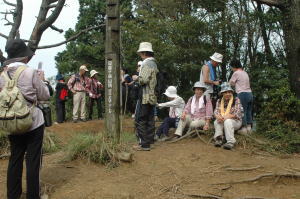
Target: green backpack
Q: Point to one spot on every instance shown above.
(15, 115)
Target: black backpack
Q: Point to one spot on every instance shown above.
(161, 85)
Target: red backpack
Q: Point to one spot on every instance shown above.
(63, 94)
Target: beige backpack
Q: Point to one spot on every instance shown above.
(15, 114)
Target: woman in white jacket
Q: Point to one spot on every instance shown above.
(176, 105)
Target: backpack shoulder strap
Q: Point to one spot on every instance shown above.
(18, 72)
(5, 76)
(204, 99)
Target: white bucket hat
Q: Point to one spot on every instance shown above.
(83, 67)
(199, 85)
(93, 72)
(145, 47)
(171, 92)
(225, 87)
(140, 63)
(217, 57)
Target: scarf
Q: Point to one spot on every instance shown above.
(212, 71)
(228, 106)
(200, 104)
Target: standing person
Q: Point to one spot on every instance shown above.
(77, 85)
(144, 118)
(94, 87)
(61, 96)
(228, 114)
(197, 112)
(126, 85)
(208, 73)
(176, 105)
(33, 89)
(240, 80)
(134, 94)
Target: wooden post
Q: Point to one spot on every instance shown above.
(112, 70)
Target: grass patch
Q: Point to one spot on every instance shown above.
(50, 142)
(4, 143)
(97, 148)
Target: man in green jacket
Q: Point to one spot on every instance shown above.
(144, 119)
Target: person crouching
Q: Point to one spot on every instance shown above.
(176, 105)
(197, 112)
(229, 114)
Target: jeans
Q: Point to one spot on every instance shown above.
(246, 99)
(165, 126)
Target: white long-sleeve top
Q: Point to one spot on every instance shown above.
(176, 107)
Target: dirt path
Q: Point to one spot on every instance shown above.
(178, 170)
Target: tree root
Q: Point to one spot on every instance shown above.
(189, 133)
(255, 197)
(203, 196)
(276, 175)
(243, 169)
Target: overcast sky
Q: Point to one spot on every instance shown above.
(67, 19)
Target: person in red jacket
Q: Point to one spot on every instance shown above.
(94, 87)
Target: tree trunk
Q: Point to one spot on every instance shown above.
(291, 29)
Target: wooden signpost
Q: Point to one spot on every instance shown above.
(112, 70)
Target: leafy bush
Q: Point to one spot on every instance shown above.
(278, 119)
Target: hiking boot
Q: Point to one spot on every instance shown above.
(228, 146)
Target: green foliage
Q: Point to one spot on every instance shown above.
(278, 119)
(95, 148)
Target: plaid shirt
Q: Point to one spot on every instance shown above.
(77, 85)
(202, 113)
(236, 110)
(93, 87)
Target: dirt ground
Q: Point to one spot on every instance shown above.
(185, 169)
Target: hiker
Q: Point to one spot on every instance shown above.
(134, 94)
(61, 96)
(126, 83)
(197, 112)
(94, 87)
(77, 85)
(144, 118)
(228, 114)
(240, 80)
(176, 105)
(30, 141)
(208, 74)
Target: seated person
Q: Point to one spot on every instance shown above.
(228, 113)
(176, 105)
(197, 112)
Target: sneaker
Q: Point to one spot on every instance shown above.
(132, 116)
(163, 139)
(228, 146)
(140, 148)
(218, 141)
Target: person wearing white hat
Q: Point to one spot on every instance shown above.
(197, 112)
(144, 116)
(228, 114)
(176, 105)
(77, 85)
(93, 88)
(208, 73)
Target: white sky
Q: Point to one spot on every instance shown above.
(67, 19)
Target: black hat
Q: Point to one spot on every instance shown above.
(16, 48)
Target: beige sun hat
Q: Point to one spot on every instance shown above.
(93, 72)
(171, 92)
(217, 57)
(199, 85)
(225, 87)
(145, 47)
(83, 67)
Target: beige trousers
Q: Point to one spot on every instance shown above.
(79, 105)
(190, 123)
(229, 126)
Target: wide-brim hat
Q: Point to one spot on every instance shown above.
(16, 48)
(93, 72)
(217, 57)
(225, 87)
(171, 92)
(83, 67)
(199, 85)
(145, 47)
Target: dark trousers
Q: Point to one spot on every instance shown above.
(31, 143)
(91, 105)
(60, 111)
(246, 99)
(145, 125)
(165, 126)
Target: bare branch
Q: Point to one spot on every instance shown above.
(56, 29)
(52, 6)
(16, 20)
(10, 4)
(276, 3)
(7, 13)
(51, 19)
(52, 1)
(3, 35)
(71, 38)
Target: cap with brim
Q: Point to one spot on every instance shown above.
(93, 72)
(83, 67)
(16, 48)
(226, 87)
(199, 85)
(217, 57)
